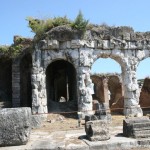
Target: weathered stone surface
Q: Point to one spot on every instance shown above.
(37, 120)
(53, 44)
(15, 126)
(122, 44)
(86, 91)
(138, 127)
(97, 130)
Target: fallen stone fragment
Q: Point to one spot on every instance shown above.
(15, 126)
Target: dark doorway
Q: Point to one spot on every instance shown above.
(61, 86)
(25, 81)
(5, 82)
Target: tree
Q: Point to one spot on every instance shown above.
(80, 23)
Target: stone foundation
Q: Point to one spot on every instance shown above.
(97, 130)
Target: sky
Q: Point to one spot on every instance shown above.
(13, 14)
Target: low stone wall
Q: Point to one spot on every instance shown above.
(15, 126)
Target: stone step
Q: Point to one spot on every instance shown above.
(141, 134)
(136, 127)
(141, 126)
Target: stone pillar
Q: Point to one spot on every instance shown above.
(85, 91)
(131, 90)
(106, 91)
(85, 83)
(39, 98)
(16, 83)
(106, 94)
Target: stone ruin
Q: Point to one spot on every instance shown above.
(108, 90)
(77, 55)
(54, 74)
(58, 68)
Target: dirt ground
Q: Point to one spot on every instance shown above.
(65, 122)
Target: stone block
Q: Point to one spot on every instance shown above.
(77, 43)
(106, 44)
(42, 44)
(38, 77)
(89, 44)
(137, 127)
(33, 78)
(65, 45)
(53, 44)
(97, 130)
(15, 126)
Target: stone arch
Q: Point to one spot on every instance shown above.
(25, 80)
(61, 86)
(126, 70)
(118, 57)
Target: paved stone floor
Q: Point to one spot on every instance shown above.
(75, 139)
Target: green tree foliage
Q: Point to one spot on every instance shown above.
(80, 23)
(39, 27)
(11, 51)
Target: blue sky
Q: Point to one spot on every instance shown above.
(134, 13)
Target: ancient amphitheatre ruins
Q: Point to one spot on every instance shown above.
(53, 74)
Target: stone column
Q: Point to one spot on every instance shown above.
(106, 94)
(85, 83)
(16, 83)
(39, 98)
(106, 90)
(131, 90)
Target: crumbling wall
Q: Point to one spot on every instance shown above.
(98, 88)
(113, 93)
(117, 94)
(145, 94)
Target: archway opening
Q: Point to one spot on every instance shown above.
(61, 86)
(25, 81)
(106, 76)
(5, 82)
(143, 77)
(105, 66)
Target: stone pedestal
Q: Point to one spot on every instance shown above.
(133, 111)
(138, 127)
(97, 130)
